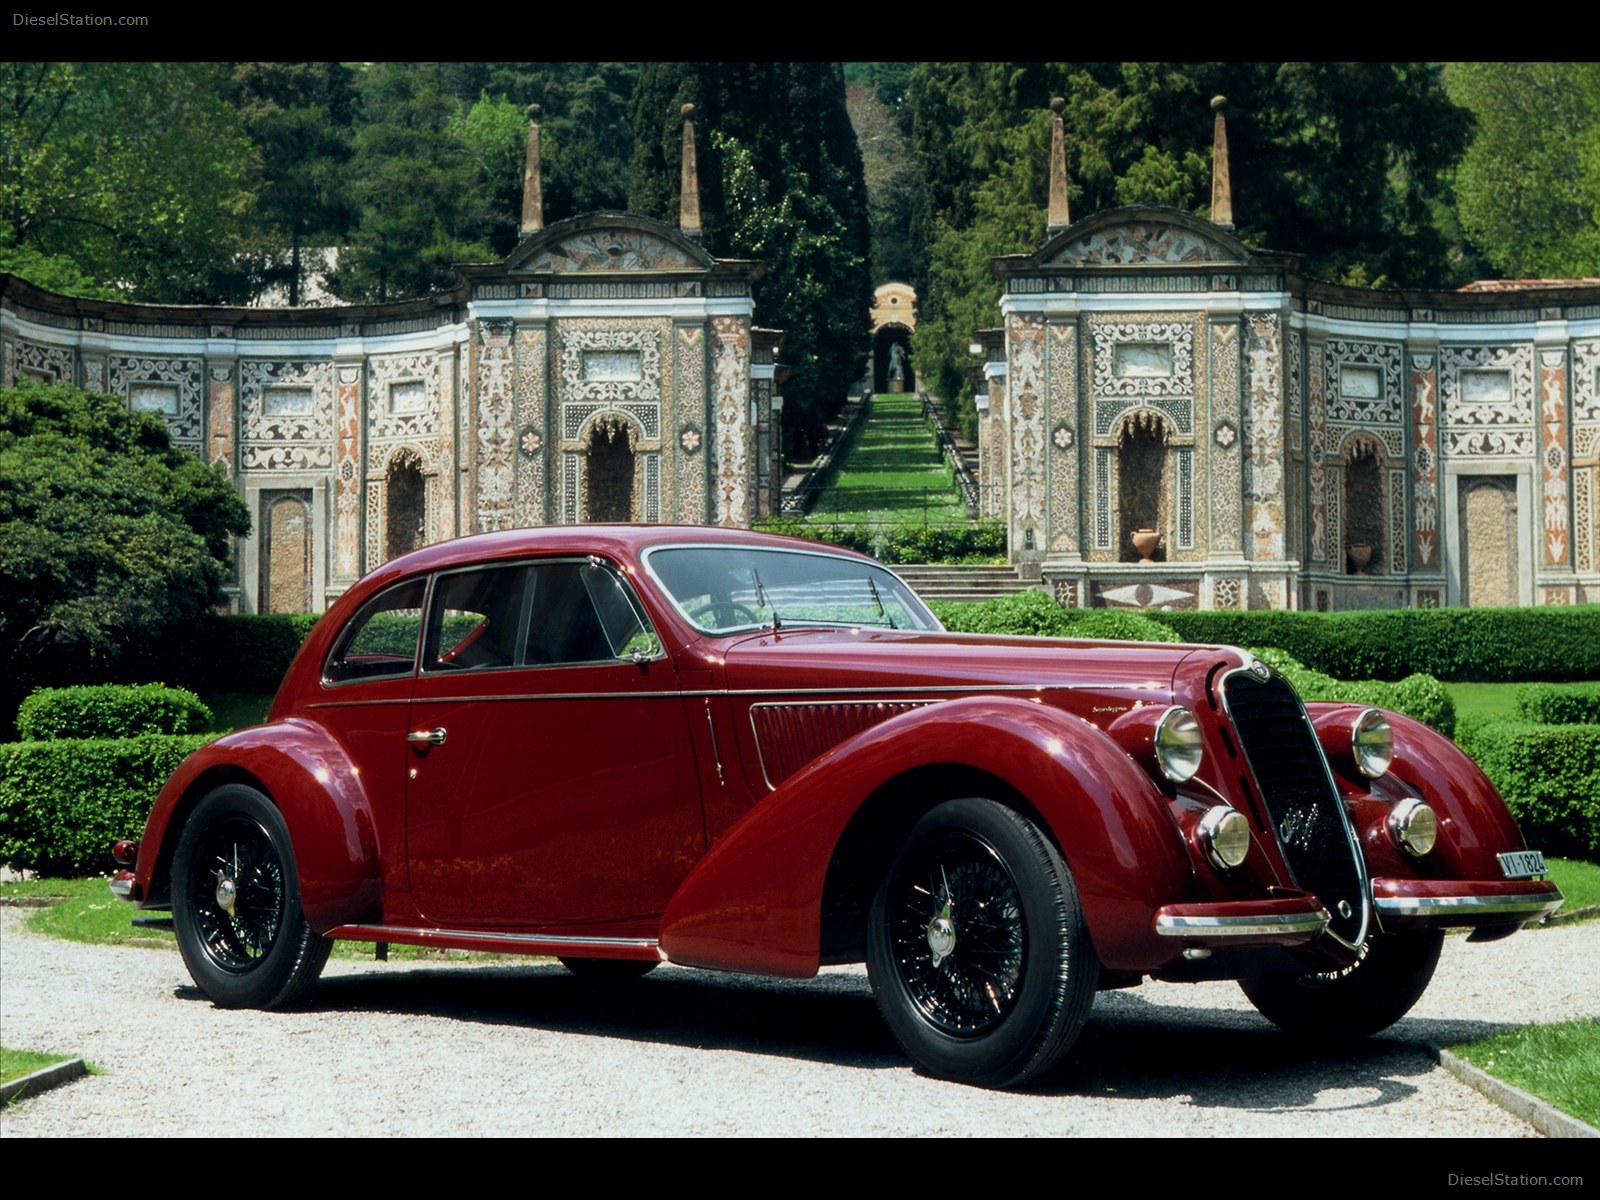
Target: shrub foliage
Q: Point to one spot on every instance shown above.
(1549, 775)
(62, 803)
(110, 710)
(1549, 704)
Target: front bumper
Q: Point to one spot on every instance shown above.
(1427, 904)
(1238, 924)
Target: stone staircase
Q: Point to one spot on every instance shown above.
(963, 583)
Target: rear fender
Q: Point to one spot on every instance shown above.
(754, 902)
(305, 774)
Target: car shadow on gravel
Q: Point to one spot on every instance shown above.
(1131, 1048)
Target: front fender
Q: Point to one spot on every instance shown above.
(754, 903)
(308, 777)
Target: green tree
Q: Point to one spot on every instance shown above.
(107, 534)
(780, 181)
(298, 115)
(1528, 187)
(129, 179)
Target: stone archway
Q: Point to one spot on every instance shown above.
(1489, 550)
(287, 542)
(1144, 482)
(611, 490)
(891, 360)
(405, 504)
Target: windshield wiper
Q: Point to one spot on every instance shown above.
(761, 600)
(878, 600)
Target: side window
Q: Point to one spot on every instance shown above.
(381, 639)
(478, 620)
(582, 613)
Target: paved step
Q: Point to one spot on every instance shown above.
(964, 584)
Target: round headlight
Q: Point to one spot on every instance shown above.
(1372, 743)
(1413, 825)
(1177, 744)
(1225, 836)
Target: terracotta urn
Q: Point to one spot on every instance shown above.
(1360, 556)
(1145, 541)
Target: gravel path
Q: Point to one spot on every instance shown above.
(405, 1049)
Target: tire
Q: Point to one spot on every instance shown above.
(977, 950)
(609, 971)
(1383, 985)
(236, 904)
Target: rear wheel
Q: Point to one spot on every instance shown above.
(977, 949)
(1372, 994)
(236, 904)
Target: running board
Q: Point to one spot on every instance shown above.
(549, 945)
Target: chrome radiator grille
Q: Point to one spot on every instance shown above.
(1292, 776)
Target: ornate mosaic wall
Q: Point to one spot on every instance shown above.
(404, 421)
(348, 478)
(1062, 349)
(1553, 454)
(730, 368)
(1264, 435)
(25, 361)
(1025, 379)
(1425, 458)
(170, 388)
(287, 415)
(532, 425)
(1225, 447)
(690, 450)
(494, 433)
(1586, 454)
(1487, 396)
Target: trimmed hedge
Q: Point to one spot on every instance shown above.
(1549, 704)
(1481, 644)
(62, 803)
(1035, 614)
(898, 544)
(1549, 776)
(110, 710)
(1420, 697)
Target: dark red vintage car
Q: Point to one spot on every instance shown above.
(625, 746)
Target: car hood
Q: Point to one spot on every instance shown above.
(881, 659)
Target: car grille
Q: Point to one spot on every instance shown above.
(1293, 779)
(788, 736)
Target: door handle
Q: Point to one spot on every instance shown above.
(427, 737)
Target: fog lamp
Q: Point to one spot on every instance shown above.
(1177, 744)
(1413, 825)
(1225, 836)
(1372, 743)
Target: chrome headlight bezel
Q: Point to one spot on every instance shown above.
(1224, 834)
(1177, 745)
(1372, 744)
(1414, 827)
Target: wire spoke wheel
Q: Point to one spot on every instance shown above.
(959, 935)
(237, 886)
(236, 903)
(976, 947)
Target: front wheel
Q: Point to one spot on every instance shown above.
(977, 950)
(236, 904)
(1372, 994)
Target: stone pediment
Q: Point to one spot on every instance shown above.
(608, 242)
(1142, 236)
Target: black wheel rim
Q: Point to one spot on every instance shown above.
(237, 890)
(958, 934)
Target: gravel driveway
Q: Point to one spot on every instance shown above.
(406, 1049)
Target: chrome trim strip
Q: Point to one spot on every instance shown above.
(478, 935)
(1424, 906)
(1310, 923)
(716, 754)
(965, 689)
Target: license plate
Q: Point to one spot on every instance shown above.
(1522, 864)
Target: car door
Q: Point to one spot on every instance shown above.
(549, 780)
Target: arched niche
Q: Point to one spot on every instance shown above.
(613, 469)
(1365, 543)
(1144, 482)
(405, 509)
(287, 542)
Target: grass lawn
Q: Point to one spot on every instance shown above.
(1579, 883)
(1489, 701)
(14, 1064)
(892, 472)
(1556, 1062)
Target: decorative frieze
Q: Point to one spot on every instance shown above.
(288, 415)
(1553, 454)
(1025, 337)
(1264, 444)
(1062, 350)
(1424, 459)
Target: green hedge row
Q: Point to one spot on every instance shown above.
(897, 544)
(1483, 644)
(110, 710)
(63, 803)
(1556, 704)
(1034, 613)
(1550, 777)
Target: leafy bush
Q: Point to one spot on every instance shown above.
(1420, 697)
(1548, 704)
(1550, 777)
(1483, 644)
(110, 710)
(897, 544)
(62, 803)
(1035, 614)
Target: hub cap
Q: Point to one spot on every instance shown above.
(237, 889)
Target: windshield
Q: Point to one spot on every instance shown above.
(720, 589)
